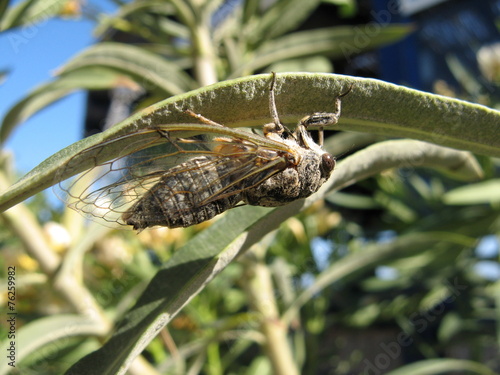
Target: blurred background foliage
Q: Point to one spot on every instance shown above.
(396, 273)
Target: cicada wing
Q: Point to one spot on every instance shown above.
(101, 190)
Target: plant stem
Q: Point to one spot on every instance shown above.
(259, 288)
(203, 56)
(23, 223)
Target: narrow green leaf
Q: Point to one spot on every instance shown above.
(282, 16)
(13, 14)
(150, 70)
(90, 78)
(334, 42)
(313, 64)
(260, 365)
(373, 106)
(28, 106)
(487, 192)
(250, 9)
(348, 8)
(4, 5)
(45, 331)
(29, 12)
(352, 265)
(3, 75)
(443, 366)
(354, 201)
(134, 16)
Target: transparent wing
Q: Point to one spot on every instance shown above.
(153, 160)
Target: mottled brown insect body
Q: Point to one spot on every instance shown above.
(178, 175)
(298, 180)
(176, 201)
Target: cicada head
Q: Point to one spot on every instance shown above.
(308, 167)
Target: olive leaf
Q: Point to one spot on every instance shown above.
(372, 106)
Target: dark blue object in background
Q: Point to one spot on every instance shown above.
(446, 30)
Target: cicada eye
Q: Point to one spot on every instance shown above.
(327, 165)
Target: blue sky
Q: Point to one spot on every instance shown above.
(31, 55)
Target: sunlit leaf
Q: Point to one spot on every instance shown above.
(51, 330)
(442, 366)
(282, 16)
(487, 192)
(244, 102)
(90, 78)
(30, 12)
(334, 42)
(150, 70)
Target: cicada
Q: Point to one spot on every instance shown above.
(181, 175)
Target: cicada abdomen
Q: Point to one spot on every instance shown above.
(188, 194)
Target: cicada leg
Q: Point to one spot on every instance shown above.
(322, 119)
(276, 126)
(202, 118)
